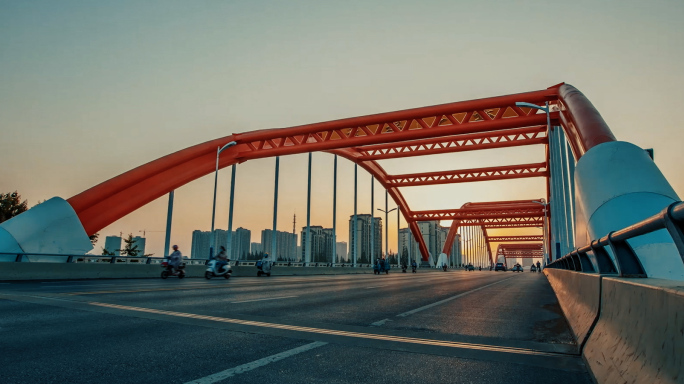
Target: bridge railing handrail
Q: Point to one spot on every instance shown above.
(626, 263)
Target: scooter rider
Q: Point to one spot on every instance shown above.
(175, 258)
(266, 264)
(222, 260)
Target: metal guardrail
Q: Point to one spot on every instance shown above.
(627, 263)
(19, 257)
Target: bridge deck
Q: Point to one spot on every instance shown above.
(399, 328)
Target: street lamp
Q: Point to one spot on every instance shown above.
(547, 110)
(386, 227)
(546, 249)
(213, 209)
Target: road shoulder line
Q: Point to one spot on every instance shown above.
(411, 312)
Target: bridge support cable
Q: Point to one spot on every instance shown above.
(169, 217)
(355, 233)
(275, 211)
(556, 200)
(566, 175)
(334, 210)
(229, 242)
(373, 254)
(307, 250)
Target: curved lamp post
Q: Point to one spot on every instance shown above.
(213, 209)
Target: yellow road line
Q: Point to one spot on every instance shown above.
(361, 335)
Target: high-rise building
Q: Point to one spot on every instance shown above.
(240, 241)
(240, 244)
(341, 249)
(435, 237)
(200, 244)
(140, 243)
(360, 249)
(321, 245)
(285, 244)
(255, 248)
(113, 245)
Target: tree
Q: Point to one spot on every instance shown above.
(131, 248)
(11, 205)
(93, 238)
(404, 256)
(105, 252)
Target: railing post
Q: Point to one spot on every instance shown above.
(604, 263)
(587, 265)
(674, 229)
(576, 261)
(627, 261)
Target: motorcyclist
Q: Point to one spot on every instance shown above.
(266, 264)
(175, 258)
(222, 260)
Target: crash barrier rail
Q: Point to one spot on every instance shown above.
(627, 330)
(24, 257)
(627, 263)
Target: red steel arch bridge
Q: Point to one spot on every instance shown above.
(595, 184)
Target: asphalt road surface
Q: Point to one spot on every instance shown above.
(453, 327)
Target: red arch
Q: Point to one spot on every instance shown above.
(105, 203)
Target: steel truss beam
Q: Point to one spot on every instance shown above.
(470, 175)
(412, 124)
(532, 224)
(484, 216)
(499, 239)
(460, 143)
(523, 255)
(512, 251)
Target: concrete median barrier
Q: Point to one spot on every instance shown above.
(639, 337)
(579, 296)
(76, 271)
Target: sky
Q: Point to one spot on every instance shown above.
(89, 90)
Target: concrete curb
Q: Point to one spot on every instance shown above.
(634, 328)
(82, 271)
(579, 295)
(639, 337)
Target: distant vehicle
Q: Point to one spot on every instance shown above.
(381, 266)
(533, 268)
(500, 267)
(169, 270)
(470, 267)
(212, 272)
(517, 268)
